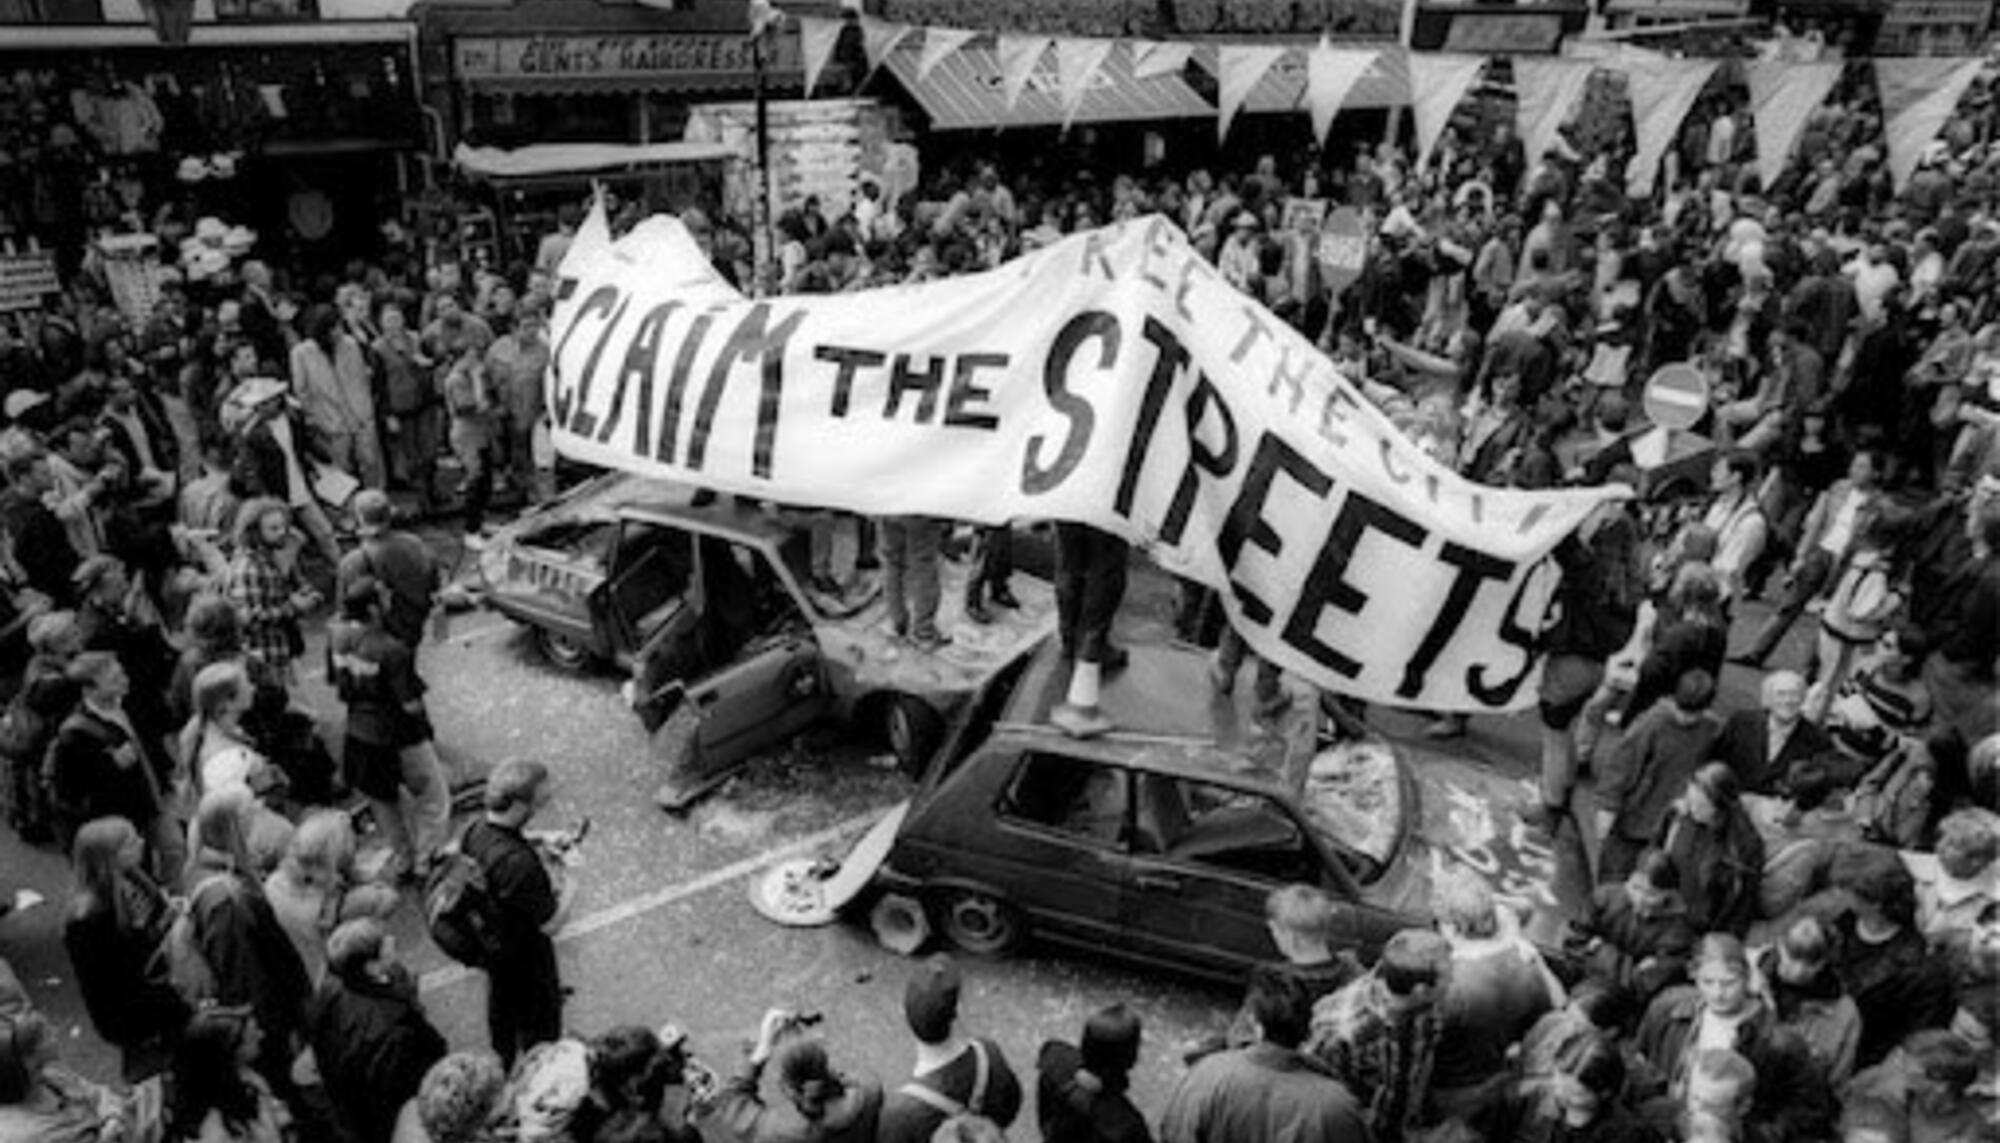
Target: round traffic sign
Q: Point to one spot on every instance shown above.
(1676, 396)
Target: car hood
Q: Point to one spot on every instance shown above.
(863, 643)
(1468, 815)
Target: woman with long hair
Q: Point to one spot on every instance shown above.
(213, 633)
(218, 1097)
(1716, 850)
(247, 950)
(216, 749)
(265, 585)
(315, 889)
(118, 915)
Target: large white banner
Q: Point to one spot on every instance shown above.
(1114, 379)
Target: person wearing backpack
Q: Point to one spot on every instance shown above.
(401, 562)
(116, 921)
(244, 949)
(369, 1032)
(528, 902)
(955, 1074)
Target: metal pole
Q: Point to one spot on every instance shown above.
(766, 280)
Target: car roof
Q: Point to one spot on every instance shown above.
(728, 518)
(1168, 718)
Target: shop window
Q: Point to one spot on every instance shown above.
(251, 10)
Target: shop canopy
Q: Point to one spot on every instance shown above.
(579, 158)
(965, 90)
(1283, 88)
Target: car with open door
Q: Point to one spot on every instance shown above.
(1160, 841)
(708, 605)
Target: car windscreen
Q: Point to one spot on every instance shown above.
(1353, 794)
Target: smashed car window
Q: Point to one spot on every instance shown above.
(1070, 795)
(1354, 794)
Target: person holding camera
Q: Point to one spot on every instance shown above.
(820, 1104)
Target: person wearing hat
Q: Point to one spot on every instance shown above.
(389, 754)
(524, 988)
(955, 1074)
(397, 560)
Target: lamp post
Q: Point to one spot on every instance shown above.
(765, 21)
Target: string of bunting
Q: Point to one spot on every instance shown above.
(1918, 94)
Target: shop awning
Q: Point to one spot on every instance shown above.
(575, 158)
(1283, 88)
(965, 91)
(104, 37)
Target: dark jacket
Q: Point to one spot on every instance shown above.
(373, 1044)
(852, 1118)
(907, 1118)
(1745, 746)
(42, 546)
(1072, 1106)
(87, 779)
(1650, 769)
(1898, 986)
(1644, 953)
(254, 962)
(111, 957)
(1721, 867)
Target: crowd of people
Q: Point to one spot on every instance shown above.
(1796, 933)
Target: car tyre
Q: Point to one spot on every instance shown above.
(979, 923)
(562, 651)
(913, 731)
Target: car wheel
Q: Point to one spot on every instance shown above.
(979, 923)
(913, 730)
(562, 650)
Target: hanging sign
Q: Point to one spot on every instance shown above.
(1113, 379)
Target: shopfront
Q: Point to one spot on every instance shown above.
(585, 71)
(302, 131)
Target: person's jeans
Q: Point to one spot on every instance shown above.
(910, 546)
(992, 565)
(1090, 584)
(417, 823)
(1230, 654)
(472, 442)
(523, 998)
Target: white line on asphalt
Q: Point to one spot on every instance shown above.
(624, 911)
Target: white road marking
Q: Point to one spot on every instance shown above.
(660, 898)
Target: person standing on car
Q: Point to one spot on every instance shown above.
(955, 1074)
(388, 750)
(523, 990)
(399, 561)
(1270, 1091)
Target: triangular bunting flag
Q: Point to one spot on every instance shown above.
(880, 37)
(1077, 62)
(1548, 92)
(1663, 91)
(1019, 57)
(1154, 58)
(1437, 82)
(1331, 74)
(939, 43)
(1782, 97)
(817, 39)
(1918, 95)
(1242, 66)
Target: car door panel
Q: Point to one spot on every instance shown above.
(757, 702)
